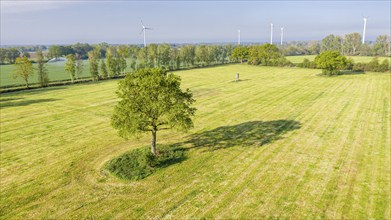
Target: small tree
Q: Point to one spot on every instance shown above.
(70, 66)
(331, 62)
(152, 100)
(42, 71)
(103, 69)
(93, 58)
(24, 69)
(79, 66)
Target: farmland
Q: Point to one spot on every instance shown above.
(56, 73)
(357, 59)
(280, 143)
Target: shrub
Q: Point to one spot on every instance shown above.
(307, 64)
(359, 67)
(140, 163)
(385, 66)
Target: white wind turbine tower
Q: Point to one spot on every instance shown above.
(143, 30)
(238, 37)
(271, 33)
(282, 34)
(363, 32)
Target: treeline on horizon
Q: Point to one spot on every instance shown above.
(349, 44)
(107, 61)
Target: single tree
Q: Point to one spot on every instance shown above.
(93, 58)
(352, 43)
(331, 62)
(54, 51)
(103, 69)
(24, 69)
(111, 62)
(12, 54)
(331, 42)
(152, 100)
(382, 45)
(43, 77)
(79, 66)
(70, 66)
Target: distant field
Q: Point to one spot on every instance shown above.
(282, 143)
(56, 72)
(357, 59)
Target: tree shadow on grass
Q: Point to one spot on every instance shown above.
(8, 99)
(351, 72)
(11, 103)
(253, 133)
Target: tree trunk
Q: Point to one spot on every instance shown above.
(153, 143)
(27, 84)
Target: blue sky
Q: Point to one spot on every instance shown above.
(67, 22)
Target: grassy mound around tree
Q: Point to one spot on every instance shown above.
(140, 163)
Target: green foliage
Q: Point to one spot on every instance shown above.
(24, 69)
(43, 77)
(93, 58)
(203, 55)
(267, 55)
(103, 69)
(70, 66)
(374, 66)
(331, 42)
(331, 62)
(12, 54)
(382, 45)
(152, 100)
(140, 163)
(187, 54)
(79, 66)
(240, 54)
(307, 64)
(352, 43)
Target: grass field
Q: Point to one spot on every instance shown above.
(281, 143)
(56, 72)
(357, 59)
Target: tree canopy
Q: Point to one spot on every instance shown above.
(240, 53)
(152, 100)
(267, 55)
(331, 62)
(24, 69)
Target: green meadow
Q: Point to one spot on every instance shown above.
(280, 143)
(56, 72)
(357, 59)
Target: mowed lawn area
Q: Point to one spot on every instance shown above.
(56, 72)
(357, 59)
(281, 143)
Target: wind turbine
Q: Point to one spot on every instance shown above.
(143, 30)
(363, 32)
(238, 37)
(282, 34)
(271, 33)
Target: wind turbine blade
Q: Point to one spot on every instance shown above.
(142, 22)
(148, 28)
(142, 30)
